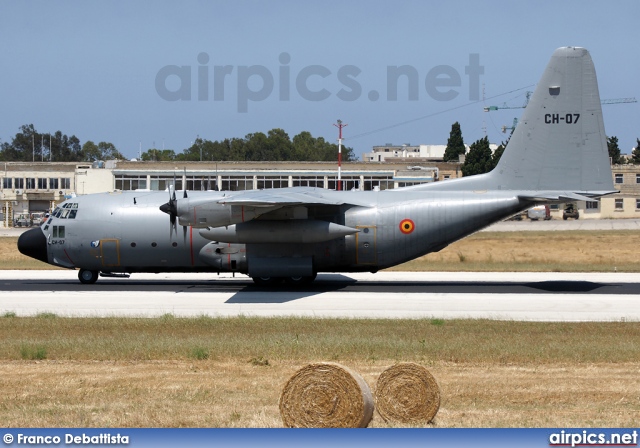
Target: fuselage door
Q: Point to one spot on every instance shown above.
(110, 252)
(366, 245)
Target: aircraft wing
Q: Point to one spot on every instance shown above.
(288, 197)
(232, 207)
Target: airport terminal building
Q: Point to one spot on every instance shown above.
(28, 188)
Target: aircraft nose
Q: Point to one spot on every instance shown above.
(33, 243)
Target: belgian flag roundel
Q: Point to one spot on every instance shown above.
(407, 226)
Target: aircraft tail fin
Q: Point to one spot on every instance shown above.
(559, 144)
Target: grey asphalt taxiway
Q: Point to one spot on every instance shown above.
(447, 295)
(516, 296)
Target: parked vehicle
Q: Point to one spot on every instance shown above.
(38, 218)
(23, 220)
(570, 211)
(539, 212)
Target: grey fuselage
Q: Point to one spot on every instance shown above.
(113, 233)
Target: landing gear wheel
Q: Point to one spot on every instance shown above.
(87, 277)
(266, 281)
(300, 281)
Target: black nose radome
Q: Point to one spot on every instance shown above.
(33, 243)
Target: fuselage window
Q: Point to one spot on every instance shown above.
(64, 214)
(72, 214)
(57, 212)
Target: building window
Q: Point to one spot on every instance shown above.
(237, 183)
(127, 183)
(31, 183)
(637, 204)
(619, 204)
(272, 182)
(53, 183)
(65, 183)
(308, 181)
(161, 183)
(348, 183)
(201, 183)
(18, 182)
(638, 178)
(382, 182)
(42, 183)
(593, 205)
(619, 178)
(7, 182)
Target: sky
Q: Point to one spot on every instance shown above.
(160, 74)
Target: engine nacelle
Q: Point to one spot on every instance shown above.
(296, 231)
(207, 212)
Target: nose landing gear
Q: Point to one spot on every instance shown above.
(87, 277)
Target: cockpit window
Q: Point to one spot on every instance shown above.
(68, 210)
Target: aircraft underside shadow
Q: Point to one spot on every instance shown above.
(244, 291)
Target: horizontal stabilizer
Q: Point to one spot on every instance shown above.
(559, 196)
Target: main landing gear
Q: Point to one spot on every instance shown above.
(87, 277)
(291, 281)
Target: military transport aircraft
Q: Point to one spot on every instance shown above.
(557, 153)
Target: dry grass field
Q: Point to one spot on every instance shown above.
(207, 372)
(566, 251)
(229, 372)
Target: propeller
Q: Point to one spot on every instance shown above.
(171, 208)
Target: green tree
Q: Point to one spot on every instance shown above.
(108, 151)
(614, 150)
(23, 146)
(102, 151)
(455, 144)
(497, 154)
(90, 151)
(159, 155)
(635, 154)
(256, 147)
(279, 145)
(478, 160)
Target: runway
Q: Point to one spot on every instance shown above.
(446, 295)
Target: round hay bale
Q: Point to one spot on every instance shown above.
(407, 393)
(326, 395)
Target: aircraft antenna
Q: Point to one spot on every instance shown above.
(340, 125)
